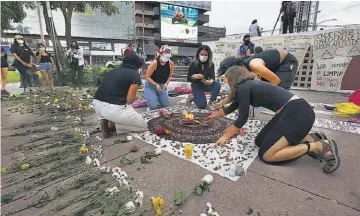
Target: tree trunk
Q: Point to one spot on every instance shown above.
(60, 56)
(67, 17)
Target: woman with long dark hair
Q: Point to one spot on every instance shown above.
(201, 74)
(285, 137)
(4, 72)
(23, 62)
(75, 57)
(158, 77)
(46, 67)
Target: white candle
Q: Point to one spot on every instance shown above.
(129, 138)
(232, 170)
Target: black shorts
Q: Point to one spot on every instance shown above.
(287, 71)
(293, 122)
(4, 64)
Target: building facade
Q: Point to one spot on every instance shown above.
(103, 38)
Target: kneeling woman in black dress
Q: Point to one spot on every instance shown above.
(285, 137)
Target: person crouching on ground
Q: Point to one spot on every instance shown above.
(46, 67)
(116, 92)
(201, 74)
(158, 75)
(285, 137)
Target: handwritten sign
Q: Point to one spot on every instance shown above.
(221, 50)
(297, 45)
(270, 42)
(327, 75)
(344, 42)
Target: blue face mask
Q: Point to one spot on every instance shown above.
(228, 89)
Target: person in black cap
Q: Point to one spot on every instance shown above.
(116, 92)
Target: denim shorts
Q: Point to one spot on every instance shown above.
(45, 67)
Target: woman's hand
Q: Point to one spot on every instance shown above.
(215, 114)
(158, 88)
(53, 69)
(208, 82)
(29, 65)
(218, 105)
(165, 87)
(222, 140)
(197, 76)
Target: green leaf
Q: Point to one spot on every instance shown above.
(6, 198)
(250, 211)
(198, 190)
(127, 160)
(145, 160)
(178, 198)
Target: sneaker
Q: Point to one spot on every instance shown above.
(5, 93)
(105, 128)
(211, 106)
(190, 98)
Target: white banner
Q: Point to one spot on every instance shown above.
(327, 74)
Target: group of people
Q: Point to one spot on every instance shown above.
(260, 79)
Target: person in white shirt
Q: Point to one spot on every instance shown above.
(75, 57)
(254, 29)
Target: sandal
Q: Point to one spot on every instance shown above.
(317, 136)
(333, 160)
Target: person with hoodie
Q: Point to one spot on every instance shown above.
(23, 62)
(201, 74)
(115, 95)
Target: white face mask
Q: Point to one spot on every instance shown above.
(42, 48)
(164, 58)
(203, 58)
(20, 41)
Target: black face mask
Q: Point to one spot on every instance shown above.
(246, 42)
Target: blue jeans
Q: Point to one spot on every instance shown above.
(153, 97)
(199, 93)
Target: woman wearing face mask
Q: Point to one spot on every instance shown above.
(158, 76)
(4, 72)
(201, 74)
(76, 60)
(285, 137)
(130, 50)
(23, 62)
(46, 67)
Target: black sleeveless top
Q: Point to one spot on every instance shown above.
(162, 72)
(270, 57)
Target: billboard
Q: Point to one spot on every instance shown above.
(178, 24)
(205, 5)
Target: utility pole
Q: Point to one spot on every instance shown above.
(314, 27)
(42, 39)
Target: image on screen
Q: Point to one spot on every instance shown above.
(178, 24)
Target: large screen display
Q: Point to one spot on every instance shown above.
(178, 24)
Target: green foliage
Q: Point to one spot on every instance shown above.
(200, 188)
(91, 75)
(13, 12)
(127, 160)
(178, 197)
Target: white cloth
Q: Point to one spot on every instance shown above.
(254, 30)
(79, 56)
(125, 117)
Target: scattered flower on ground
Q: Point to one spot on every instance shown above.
(158, 204)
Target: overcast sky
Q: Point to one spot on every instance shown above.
(237, 16)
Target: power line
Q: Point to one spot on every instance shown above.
(341, 9)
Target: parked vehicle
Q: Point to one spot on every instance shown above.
(113, 64)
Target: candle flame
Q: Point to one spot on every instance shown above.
(188, 116)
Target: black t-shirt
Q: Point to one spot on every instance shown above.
(208, 72)
(44, 59)
(23, 52)
(116, 83)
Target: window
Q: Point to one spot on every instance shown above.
(306, 61)
(305, 67)
(100, 60)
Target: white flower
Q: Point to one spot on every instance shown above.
(208, 179)
(96, 162)
(34, 136)
(98, 139)
(116, 169)
(112, 190)
(158, 151)
(54, 117)
(88, 160)
(67, 117)
(130, 207)
(123, 173)
(125, 183)
(108, 169)
(117, 175)
(120, 182)
(210, 209)
(103, 169)
(77, 130)
(215, 214)
(91, 106)
(139, 196)
(47, 104)
(54, 129)
(86, 135)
